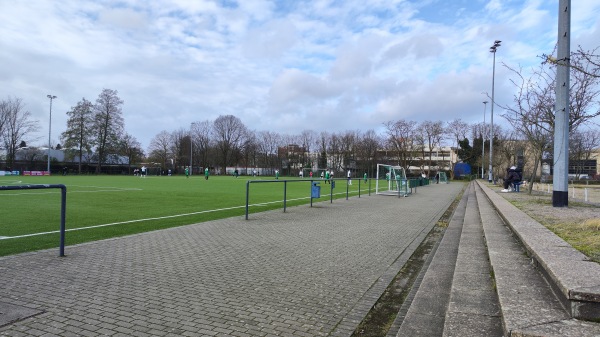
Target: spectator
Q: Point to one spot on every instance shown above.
(512, 177)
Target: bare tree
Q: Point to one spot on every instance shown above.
(335, 153)
(268, 142)
(132, 149)
(202, 143)
(532, 109)
(160, 148)
(228, 132)
(250, 150)
(180, 147)
(349, 140)
(323, 142)
(367, 150)
(433, 132)
(581, 147)
(79, 134)
(401, 137)
(4, 109)
(17, 126)
(108, 123)
(307, 139)
(457, 129)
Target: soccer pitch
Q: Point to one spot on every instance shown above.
(101, 207)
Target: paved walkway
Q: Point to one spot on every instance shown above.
(307, 272)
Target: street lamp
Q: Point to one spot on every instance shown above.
(493, 51)
(191, 148)
(483, 141)
(50, 129)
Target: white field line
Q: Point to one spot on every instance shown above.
(149, 219)
(11, 182)
(102, 189)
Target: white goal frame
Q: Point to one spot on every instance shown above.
(391, 180)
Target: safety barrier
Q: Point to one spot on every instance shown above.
(63, 206)
(315, 189)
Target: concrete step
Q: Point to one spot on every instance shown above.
(575, 279)
(427, 311)
(473, 309)
(528, 303)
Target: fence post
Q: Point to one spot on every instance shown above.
(284, 194)
(247, 196)
(347, 188)
(63, 211)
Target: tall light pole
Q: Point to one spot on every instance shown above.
(50, 129)
(483, 141)
(560, 183)
(493, 51)
(191, 148)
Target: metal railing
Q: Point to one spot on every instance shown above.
(63, 206)
(311, 181)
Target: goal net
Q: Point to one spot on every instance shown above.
(391, 180)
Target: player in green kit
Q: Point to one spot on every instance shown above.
(327, 177)
(206, 173)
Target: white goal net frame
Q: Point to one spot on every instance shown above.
(391, 180)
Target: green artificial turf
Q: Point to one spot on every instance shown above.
(111, 206)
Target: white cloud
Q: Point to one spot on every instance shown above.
(280, 66)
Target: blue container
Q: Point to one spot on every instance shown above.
(315, 191)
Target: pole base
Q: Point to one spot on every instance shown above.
(560, 198)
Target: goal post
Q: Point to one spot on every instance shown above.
(391, 180)
(442, 178)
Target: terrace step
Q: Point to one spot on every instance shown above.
(427, 311)
(528, 302)
(473, 309)
(482, 283)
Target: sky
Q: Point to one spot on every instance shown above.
(283, 65)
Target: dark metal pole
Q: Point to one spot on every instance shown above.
(347, 188)
(284, 194)
(311, 195)
(247, 196)
(63, 212)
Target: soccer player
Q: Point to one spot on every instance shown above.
(206, 173)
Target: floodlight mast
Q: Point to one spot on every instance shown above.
(50, 129)
(490, 169)
(483, 142)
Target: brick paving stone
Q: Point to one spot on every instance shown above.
(306, 272)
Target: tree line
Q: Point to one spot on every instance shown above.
(96, 133)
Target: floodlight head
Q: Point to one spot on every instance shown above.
(485, 102)
(51, 96)
(497, 42)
